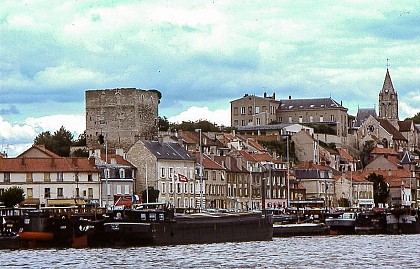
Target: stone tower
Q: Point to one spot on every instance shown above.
(388, 101)
(120, 116)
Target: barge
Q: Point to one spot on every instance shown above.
(138, 227)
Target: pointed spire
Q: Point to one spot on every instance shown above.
(387, 87)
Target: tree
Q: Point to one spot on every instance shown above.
(153, 195)
(163, 124)
(367, 148)
(204, 125)
(380, 188)
(12, 196)
(59, 142)
(415, 118)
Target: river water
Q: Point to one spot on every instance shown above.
(351, 251)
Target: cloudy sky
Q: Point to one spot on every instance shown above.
(200, 55)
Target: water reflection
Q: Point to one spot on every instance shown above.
(380, 251)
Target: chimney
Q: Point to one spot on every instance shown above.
(91, 160)
(290, 97)
(265, 95)
(274, 95)
(74, 161)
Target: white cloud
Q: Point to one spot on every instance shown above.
(220, 116)
(17, 138)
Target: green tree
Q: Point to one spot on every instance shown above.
(163, 124)
(204, 125)
(365, 154)
(380, 188)
(12, 196)
(415, 118)
(59, 143)
(153, 195)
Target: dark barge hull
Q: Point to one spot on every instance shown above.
(286, 230)
(191, 229)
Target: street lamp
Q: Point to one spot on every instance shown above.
(201, 172)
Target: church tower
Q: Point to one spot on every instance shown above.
(388, 101)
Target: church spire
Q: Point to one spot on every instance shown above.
(388, 87)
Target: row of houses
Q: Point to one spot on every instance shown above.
(232, 172)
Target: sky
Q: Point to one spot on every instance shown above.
(200, 55)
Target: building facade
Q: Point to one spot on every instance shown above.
(388, 101)
(253, 110)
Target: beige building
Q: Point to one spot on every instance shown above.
(306, 147)
(253, 110)
(49, 180)
(314, 111)
(120, 117)
(169, 168)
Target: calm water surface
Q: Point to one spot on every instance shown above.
(379, 251)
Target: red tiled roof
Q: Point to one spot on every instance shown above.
(119, 159)
(388, 151)
(264, 157)
(36, 164)
(208, 163)
(256, 145)
(345, 154)
(247, 156)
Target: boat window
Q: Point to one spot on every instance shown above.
(152, 216)
(143, 216)
(161, 216)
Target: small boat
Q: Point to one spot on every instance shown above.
(402, 221)
(300, 229)
(341, 222)
(9, 241)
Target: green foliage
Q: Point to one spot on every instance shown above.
(365, 154)
(153, 195)
(204, 125)
(322, 128)
(163, 124)
(416, 118)
(59, 142)
(81, 141)
(12, 196)
(343, 202)
(380, 188)
(280, 147)
(80, 153)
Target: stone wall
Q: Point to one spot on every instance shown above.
(125, 115)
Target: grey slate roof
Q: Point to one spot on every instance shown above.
(363, 114)
(317, 103)
(264, 127)
(167, 150)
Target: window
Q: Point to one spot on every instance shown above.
(29, 177)
(84, 193)
(191, 173)
(290, 119)
(250, 110)
(59, 176)
(280, 119)
(90, 178)
(108, 190)
(59, 192)
(6, 177)
(235, 123)
(171, 172)
(163, 187)
(300, 119)
(258, 121)
(185, 188)
(257, 110)
(235, 111)
(77, 192)
(242, 122)
(118, 189)
(90, 193)
(122, 173)
(30, 193)
(311, 118)
(47, 193)
(171, 187)
(321, 118)
(76, 177)
(126, 189)
(242, 110)
(178, 187)
(162, 172)
(332, 117)
(186, 202)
